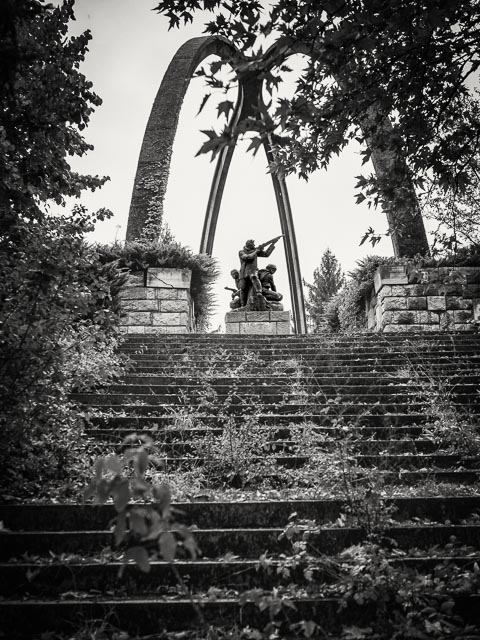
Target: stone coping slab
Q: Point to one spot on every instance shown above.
(257, 316)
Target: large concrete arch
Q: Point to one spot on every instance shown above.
(155, 156)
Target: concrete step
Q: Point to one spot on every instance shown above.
(140, 616)
(49, 581)
(363, 336)
(359, 368)
(373, 437)
(209, 399)
(299, 352)
(471, 376)
(287, 343)
(248, 543)
(276, 391)
(298, 356)
(33, 580)
(183, 446)
(228, 514)
(345, 410)
(381, 461)
(182, 421)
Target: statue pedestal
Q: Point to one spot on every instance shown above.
(271, 323)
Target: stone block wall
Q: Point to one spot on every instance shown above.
(408, 298)
(158, 301)
(258, 322)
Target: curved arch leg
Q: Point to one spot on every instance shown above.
(215, 200)
(146, 207)
(290, 244)
(218, 184)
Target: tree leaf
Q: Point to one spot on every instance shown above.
(162, 495)
(168, 546)
(121, 494)
(140, 461)
(224, 108)
(113, 463)
(140, 556)
(203, 103)
(138, 524)
(120, 528)
(191, 546)
(255, 144)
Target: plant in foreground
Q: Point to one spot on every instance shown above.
(148, 524)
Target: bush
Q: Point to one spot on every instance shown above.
(167, 252)
(346, 310)
(464, 257)
(59, 319)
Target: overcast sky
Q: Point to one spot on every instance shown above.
(129, 53)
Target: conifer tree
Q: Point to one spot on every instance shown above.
(328, 279)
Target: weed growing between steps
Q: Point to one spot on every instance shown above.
(450, 429)
(373, 579)
(146, 528)
(302, 459)
(377, 595)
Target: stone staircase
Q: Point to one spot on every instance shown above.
(356, 436)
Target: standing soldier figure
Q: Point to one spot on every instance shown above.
(249, 269)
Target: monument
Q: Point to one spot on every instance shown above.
(405, 222)
(256, 303)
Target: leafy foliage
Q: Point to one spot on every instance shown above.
(328, 279)
(400, 72)
(346, 310)
(407, 604)
(122, 478)
(58, 310)
(457, 216)
(45, 103)
(167, 252)
(58, 319)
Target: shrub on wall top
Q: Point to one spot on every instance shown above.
(170, 254)
(346, 311)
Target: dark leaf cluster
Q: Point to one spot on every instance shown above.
(59, 316)
(393, 75)
(45, 103)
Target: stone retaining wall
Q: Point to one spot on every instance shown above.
(258, 322)
(158, 302)
(407, 298)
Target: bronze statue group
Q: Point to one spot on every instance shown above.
(255, 289)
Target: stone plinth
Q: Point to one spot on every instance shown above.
(158, 301)
(407, 298)
(272, 323)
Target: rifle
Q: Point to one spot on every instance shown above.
(230, 289)
(265, 244)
